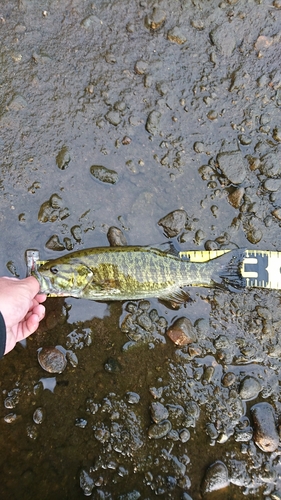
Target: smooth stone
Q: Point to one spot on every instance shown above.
(175, 35)
(235, 198)
(113, 117)
(52, 360)
(116, 237)
(265, 432)
(104, 174)
(272, 185)
(153, 122)
(250, 388)
(182, 332)
(216, 478)
(158, 431)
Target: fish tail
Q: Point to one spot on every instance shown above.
(227, 272)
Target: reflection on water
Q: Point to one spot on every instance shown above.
(85, 310)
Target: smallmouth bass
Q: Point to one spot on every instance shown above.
(133, 272)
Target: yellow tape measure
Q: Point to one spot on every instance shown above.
(260, 268)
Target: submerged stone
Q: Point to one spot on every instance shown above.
(52, 360)
(104, 174)
(232, 166)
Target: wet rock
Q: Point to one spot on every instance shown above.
(223, 38)
(235, 198)
(132, 495)
(63, 158)
(254, 234)
(145, 322)
(158, 431)
(113, 117)
(245, 140)
(86, 483)
(81, 423)
(116, 237)
(133, 398)
(91, 22)
(153, 122)
(173, 223)
(38, 416)
(272, 185)
(228, 379)
(216, 478)
(175, 35)
(104, 174)
(250, 388)
(158, 412)
(10, 418)
(72, 358)
(52, 360)
(271, 164)
(277, 213)
(55, 244)
(112, 365)
(12, 268)
(182, 332)
(265, 432)
(156, 20)
(277, 134)
(232, 166)
(76, 232)
(141, 67)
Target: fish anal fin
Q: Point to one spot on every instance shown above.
(176, 298)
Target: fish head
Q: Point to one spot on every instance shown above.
(63, 279)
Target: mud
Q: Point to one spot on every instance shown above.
(179, 101)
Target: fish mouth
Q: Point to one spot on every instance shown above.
(46, 285)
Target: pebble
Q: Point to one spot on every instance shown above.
(55, 244)
(265, 433)
(157, 19)
(141, 67)
(158, 412)
(52, 360)
(175, 35)
(133, 398)
(173, 223)
(113, 117)
(10, 418)
(272, 185)
(182, 332)
(158, 431)
(63, 158)
(250, 388)
(254, 234)
(235, 198)
(38, 416)
(81, 423)
(232, 166)
(153, 122)
(228, 379)
(104, 174)
(270, 164)
(116, 237)
(86, 483)
(72, 358)
(216, 478)
(76, 232)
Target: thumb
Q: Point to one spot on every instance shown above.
(32, 285)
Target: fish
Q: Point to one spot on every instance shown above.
(134, 272)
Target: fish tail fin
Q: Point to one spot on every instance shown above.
(227, 270)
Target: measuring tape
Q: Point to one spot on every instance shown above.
(260, 268)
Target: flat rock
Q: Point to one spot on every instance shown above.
(232, 166)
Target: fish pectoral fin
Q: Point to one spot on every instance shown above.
(169, 247)
(176, 298)
(228, 275)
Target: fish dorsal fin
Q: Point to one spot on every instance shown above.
(169, 247)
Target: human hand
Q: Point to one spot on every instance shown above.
(21, 308)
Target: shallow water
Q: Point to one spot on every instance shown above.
(79, 81)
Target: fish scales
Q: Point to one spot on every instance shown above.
(131, 273)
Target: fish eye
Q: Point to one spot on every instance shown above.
(54, 270)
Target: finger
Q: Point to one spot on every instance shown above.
(41, 297)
